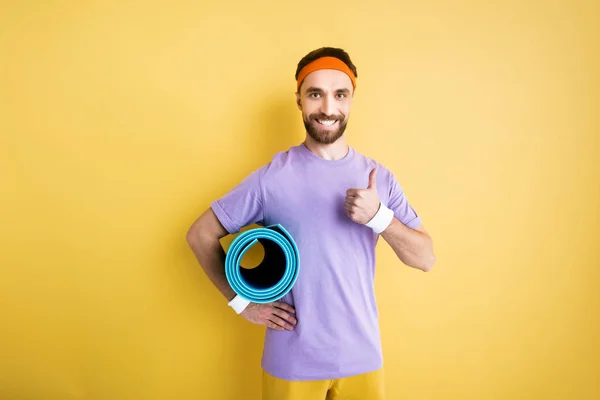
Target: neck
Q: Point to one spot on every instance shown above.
(334, 151)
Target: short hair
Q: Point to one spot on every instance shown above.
(326, 52)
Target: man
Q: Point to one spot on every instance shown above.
(322, 339)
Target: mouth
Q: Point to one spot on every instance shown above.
(328, 123)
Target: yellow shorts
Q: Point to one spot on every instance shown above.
(359, 387)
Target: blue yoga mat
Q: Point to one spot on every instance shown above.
(276, 274)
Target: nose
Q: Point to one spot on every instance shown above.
(328, 106)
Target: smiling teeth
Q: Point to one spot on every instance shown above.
(327, 123)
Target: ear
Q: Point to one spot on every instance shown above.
(298, 101)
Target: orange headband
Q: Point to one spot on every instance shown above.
(325, 63)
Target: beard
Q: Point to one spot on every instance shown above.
(319, 133)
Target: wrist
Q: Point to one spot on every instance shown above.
(382, 219)
(238, 304)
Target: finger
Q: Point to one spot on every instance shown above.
(350, 214)
(284, 306)
(351, 192)
(360, 193)
(355, 201)
(372, 179)
(286, 316)
(281, 322)
(351, 208)
(273, 325)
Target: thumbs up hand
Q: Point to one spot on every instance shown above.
(362, 204)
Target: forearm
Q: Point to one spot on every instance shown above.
(413, 248)
(211, 256)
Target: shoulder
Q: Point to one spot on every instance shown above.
(284, 156)
(280, 161)
(367, 162)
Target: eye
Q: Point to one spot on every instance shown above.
(313, 95)
(341, 96)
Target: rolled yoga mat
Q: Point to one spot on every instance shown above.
(274, 277)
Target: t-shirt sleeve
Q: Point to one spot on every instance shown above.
(241, 206)
(400, 205)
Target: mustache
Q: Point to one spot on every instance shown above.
(339, 117)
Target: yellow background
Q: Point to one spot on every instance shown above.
(121, 121)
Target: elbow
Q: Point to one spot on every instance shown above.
(192, 236)
(428, 263)
(202, 232)
(206, 229)
(429, 260)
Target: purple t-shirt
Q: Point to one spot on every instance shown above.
(337, 333)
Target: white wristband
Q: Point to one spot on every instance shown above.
(239, 304)
(381, 220)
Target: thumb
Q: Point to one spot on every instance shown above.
(372, 179)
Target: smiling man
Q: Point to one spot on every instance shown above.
(322, 339)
